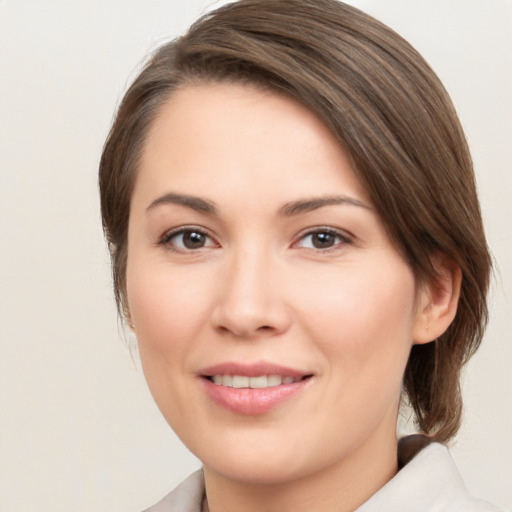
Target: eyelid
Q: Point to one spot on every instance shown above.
(165, 239)
(345, 237)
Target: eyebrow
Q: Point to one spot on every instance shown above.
(288, 210)
(192, 202)
(308, 205)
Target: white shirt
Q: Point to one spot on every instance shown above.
(430, 482)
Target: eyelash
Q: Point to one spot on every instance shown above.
(166, 239)
(343, 239)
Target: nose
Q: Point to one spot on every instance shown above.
(250, 301)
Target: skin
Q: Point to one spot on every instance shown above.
(258, 289)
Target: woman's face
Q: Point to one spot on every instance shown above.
(274, 317)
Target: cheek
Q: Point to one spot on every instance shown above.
(169, 313)
(166, 306)
(363, 319)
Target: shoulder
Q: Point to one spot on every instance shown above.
(429, 482)
(187, 497)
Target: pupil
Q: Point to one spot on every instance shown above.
(323, 240)
(193, 240)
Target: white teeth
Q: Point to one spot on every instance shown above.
(239, 381)
(260, 382)
(274, 380)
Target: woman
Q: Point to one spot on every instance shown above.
(297, 244)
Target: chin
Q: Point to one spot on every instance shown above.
(266, 461)
(250, 458)
(257, 472)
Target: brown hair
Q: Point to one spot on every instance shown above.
(391, 114)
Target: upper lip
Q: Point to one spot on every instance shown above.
(251, 370)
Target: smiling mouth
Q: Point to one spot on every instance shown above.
(257, 382)
(253, 389)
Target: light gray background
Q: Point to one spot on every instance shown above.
(78, 429)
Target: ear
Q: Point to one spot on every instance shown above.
(437, 301)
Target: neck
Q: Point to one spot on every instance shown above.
(342, 487)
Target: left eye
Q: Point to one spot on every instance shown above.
(322, 239)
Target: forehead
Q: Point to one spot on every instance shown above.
(228, 137)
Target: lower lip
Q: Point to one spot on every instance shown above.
(249, 401)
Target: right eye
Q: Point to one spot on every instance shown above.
(188, 239)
